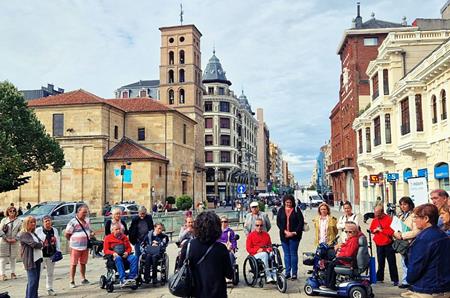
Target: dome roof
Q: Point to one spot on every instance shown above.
(214, 72)
(243, 102)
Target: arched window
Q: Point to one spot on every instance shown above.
(443, 105)
(407, 173)
(181, 57)
(171, 57)
(181, 76)
(434, 109)
(441, 174)
(171, 79)
(181, 96)
(171, 97)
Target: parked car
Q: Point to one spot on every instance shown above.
(127, 209)
(315, 200)
(61, 212)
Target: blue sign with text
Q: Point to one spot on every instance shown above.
(392, 177)
(241, 188)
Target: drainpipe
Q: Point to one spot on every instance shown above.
(404, 63)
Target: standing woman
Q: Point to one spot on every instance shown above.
(31, 254)
(116, 217)
(348, 216)
(290, 221)
(9, 245)
(51, 244)
(325, 225)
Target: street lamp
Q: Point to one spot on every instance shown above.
(122, 171)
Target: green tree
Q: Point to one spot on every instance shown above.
(24, 144)
(184, 202)
(171, 200)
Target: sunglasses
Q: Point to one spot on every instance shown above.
(254, 207)
(225, 221)
(258, 225)
(13, 210)
(349, 232)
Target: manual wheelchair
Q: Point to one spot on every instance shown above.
(162, 270)
(112, 276)
(255, 271)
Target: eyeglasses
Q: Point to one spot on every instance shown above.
(349, 232)
(226, 221)
(258, 225)
(254, 207)
(13, 210)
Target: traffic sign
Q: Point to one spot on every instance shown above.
(392, 177)
(241, 188)
(374, 179)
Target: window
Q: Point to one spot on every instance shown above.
(210, 90)
(404, 105)
(434, 109)
(377, 131)
(208, 140)
(370, 41)
(225, 156)
(141, 134)
(184, 187)
(443, 105)
(208, 106)
(419, 117)
(225, 123)
(171, 97)
(143, 93)
(160, 171)
(386, 81)
(181, 96)
(181, 76)
(58, 125)
(116, 132)
(208, 122)
(221, 91)
(184, 133)
(125, 94)
(181, 57)
(368, 146)
(387, 128)
(209, 156)
(171, 76)
(224, 106)
(171, 58)
(375, 87)
(225, 140)
(360, 141)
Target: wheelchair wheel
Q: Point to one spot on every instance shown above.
(236, 274)
(102, 282)
(250, 271)
(281, 283)
(110, 287)
(278, 260)
(309, 290)
(357, 292)
(135, 287)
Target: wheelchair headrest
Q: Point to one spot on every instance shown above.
(363, 257)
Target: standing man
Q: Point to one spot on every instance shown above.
(78, 232)
(381, 229)
(439, 197)
(250, 219)
(139, 228)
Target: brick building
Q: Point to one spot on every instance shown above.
(357, 48)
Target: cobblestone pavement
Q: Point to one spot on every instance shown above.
(96, 267)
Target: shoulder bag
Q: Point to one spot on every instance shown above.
(89, 242)
(400, 246)
(181, 284)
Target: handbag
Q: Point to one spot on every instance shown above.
(57, 256)
(181, 284)
(400, 246)
(89, 242)
(305, 227)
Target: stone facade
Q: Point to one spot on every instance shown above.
(263, 152)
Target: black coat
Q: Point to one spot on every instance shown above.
(296, 223)
(108, 227)
(133, 232)
(210, 274)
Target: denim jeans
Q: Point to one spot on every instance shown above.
(137, 249)
(121, 268)
(264, 256)
(405, 271)
(232, 258)
(33, 280)
(290, 249)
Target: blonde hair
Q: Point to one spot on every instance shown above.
(25, 223)
(116, 210)
(326, 206)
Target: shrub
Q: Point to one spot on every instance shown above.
(170, 200)
(262, 206)
(184, 202)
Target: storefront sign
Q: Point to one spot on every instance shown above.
(374, 179)
(441, 171)
(392, 177)
(418, 190)
(422, 173)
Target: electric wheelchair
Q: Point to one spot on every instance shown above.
(255, 271)
(112, 276)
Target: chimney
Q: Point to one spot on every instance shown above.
(358, 19)
(50, 87)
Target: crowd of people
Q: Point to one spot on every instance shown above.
(211, 244)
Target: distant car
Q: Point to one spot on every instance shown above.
(126, 208)
(62, 212)
(315, 200)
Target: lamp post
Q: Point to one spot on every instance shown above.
(123, 167)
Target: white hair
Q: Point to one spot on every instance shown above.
(116, 210)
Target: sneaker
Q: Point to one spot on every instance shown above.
(395, 283)
(85, 282)
(288, 276)
(51, 292)
(72, 285)
(294, 277)
(13, 276)
(403, 286)
(269, 280)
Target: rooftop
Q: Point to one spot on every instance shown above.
(128, 149)
(79, 96)
(214, 72)
(139, 104)
(142, 84)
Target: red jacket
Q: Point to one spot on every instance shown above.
(384, 237)
(349, 249)
(110, 241)
(257, 240)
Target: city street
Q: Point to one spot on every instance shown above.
(96, 267)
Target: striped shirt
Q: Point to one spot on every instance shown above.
(78, 239)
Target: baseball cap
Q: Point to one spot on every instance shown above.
(254, 204)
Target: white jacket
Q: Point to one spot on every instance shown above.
(341, 225)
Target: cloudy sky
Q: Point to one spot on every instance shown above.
(281, 52)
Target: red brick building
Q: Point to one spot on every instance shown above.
(358, 47)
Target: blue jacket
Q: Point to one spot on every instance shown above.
(429, 262)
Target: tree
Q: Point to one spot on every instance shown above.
(24, 144)
(184, 202)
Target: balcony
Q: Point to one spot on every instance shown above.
(413, 143)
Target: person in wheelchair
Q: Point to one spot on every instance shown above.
(153, 248)
(345, 254)
(186, 231)
(228, 238)
(117, 250)
(259, 245)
